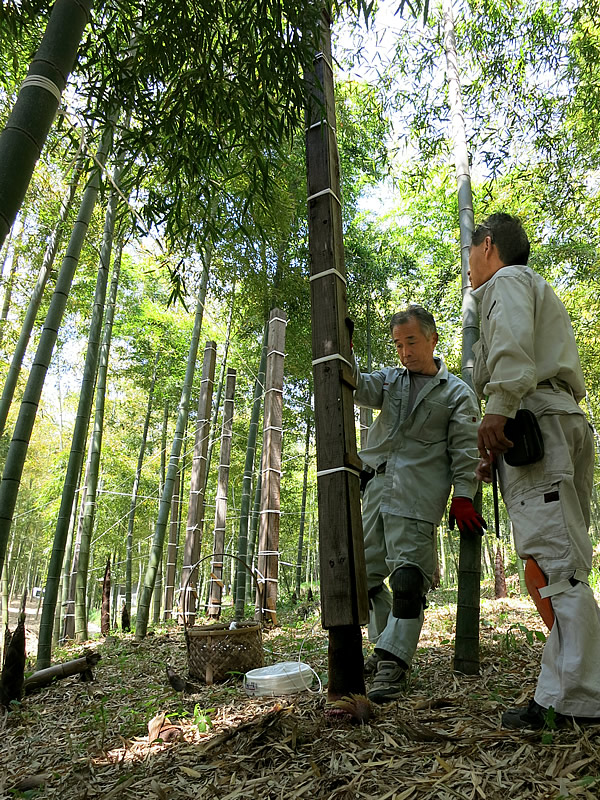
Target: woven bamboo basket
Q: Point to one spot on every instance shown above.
(215, 651)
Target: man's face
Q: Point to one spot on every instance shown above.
(415, 350)
(478, 267)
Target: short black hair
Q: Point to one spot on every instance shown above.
(509, 236)
(423, 317)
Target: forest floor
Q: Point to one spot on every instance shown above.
(442, 740)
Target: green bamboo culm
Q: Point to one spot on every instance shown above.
(29, 123)
(259, 387)
(33, 390)
(156, 551)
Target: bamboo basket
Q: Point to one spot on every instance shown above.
(215, 651)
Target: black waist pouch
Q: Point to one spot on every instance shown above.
(524, 431)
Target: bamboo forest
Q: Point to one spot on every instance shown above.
(207, 212)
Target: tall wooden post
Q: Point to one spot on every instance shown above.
(268, 537)
(195, 516)
(342, 563)
(216, 584)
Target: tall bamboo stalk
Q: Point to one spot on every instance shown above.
(136, 485)
(81, 632)
(37, 294)
(466, 647)
(242, 547)
(26, 129)
(143, 609)
(216, 585)
(15, 461)
(303, 504)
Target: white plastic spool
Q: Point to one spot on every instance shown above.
(287, 677)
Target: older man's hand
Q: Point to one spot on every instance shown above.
(483, 471)
(490, 436)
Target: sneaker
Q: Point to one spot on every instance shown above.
(371, 664)
(388, 683)
(533, 716)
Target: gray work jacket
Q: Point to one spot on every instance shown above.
(426, 451)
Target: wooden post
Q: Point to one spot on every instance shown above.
(195, 516)
(268, 537)
(216, 583)
(341, 551)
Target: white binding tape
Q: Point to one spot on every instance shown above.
(40, 82)
(332, 271)
(321, 122)
(322, 193)
(338, 469)
(320, 56)
(332, 357)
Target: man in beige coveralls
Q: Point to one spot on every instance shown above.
(527, 358)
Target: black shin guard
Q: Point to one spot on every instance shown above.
(407, 588)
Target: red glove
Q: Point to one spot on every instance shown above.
(462, 511)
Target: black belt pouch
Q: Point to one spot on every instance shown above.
(525, 432)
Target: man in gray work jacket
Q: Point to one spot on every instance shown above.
(423, 441)
(527, 358)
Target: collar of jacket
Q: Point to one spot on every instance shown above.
(515, 270)
(441, 375)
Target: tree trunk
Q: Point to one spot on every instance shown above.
(17, 452)
(36, 297)
(253, 534)
(303, 505)
(157, 593)
(26, 130)
(366, 414)
(217, 402)
(15, 570)
(81, 631)
(136, 484)
(242, 548)
(145, 593)
(8, 289)
(4, 620)
(195, 515)
(105, 613)
(172, 547)
(73, 564)
(466, 646)
(343, 576)
(216, 585)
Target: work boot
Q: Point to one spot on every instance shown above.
(532, 716)
(389, 682)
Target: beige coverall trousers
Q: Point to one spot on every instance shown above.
(549, 507)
